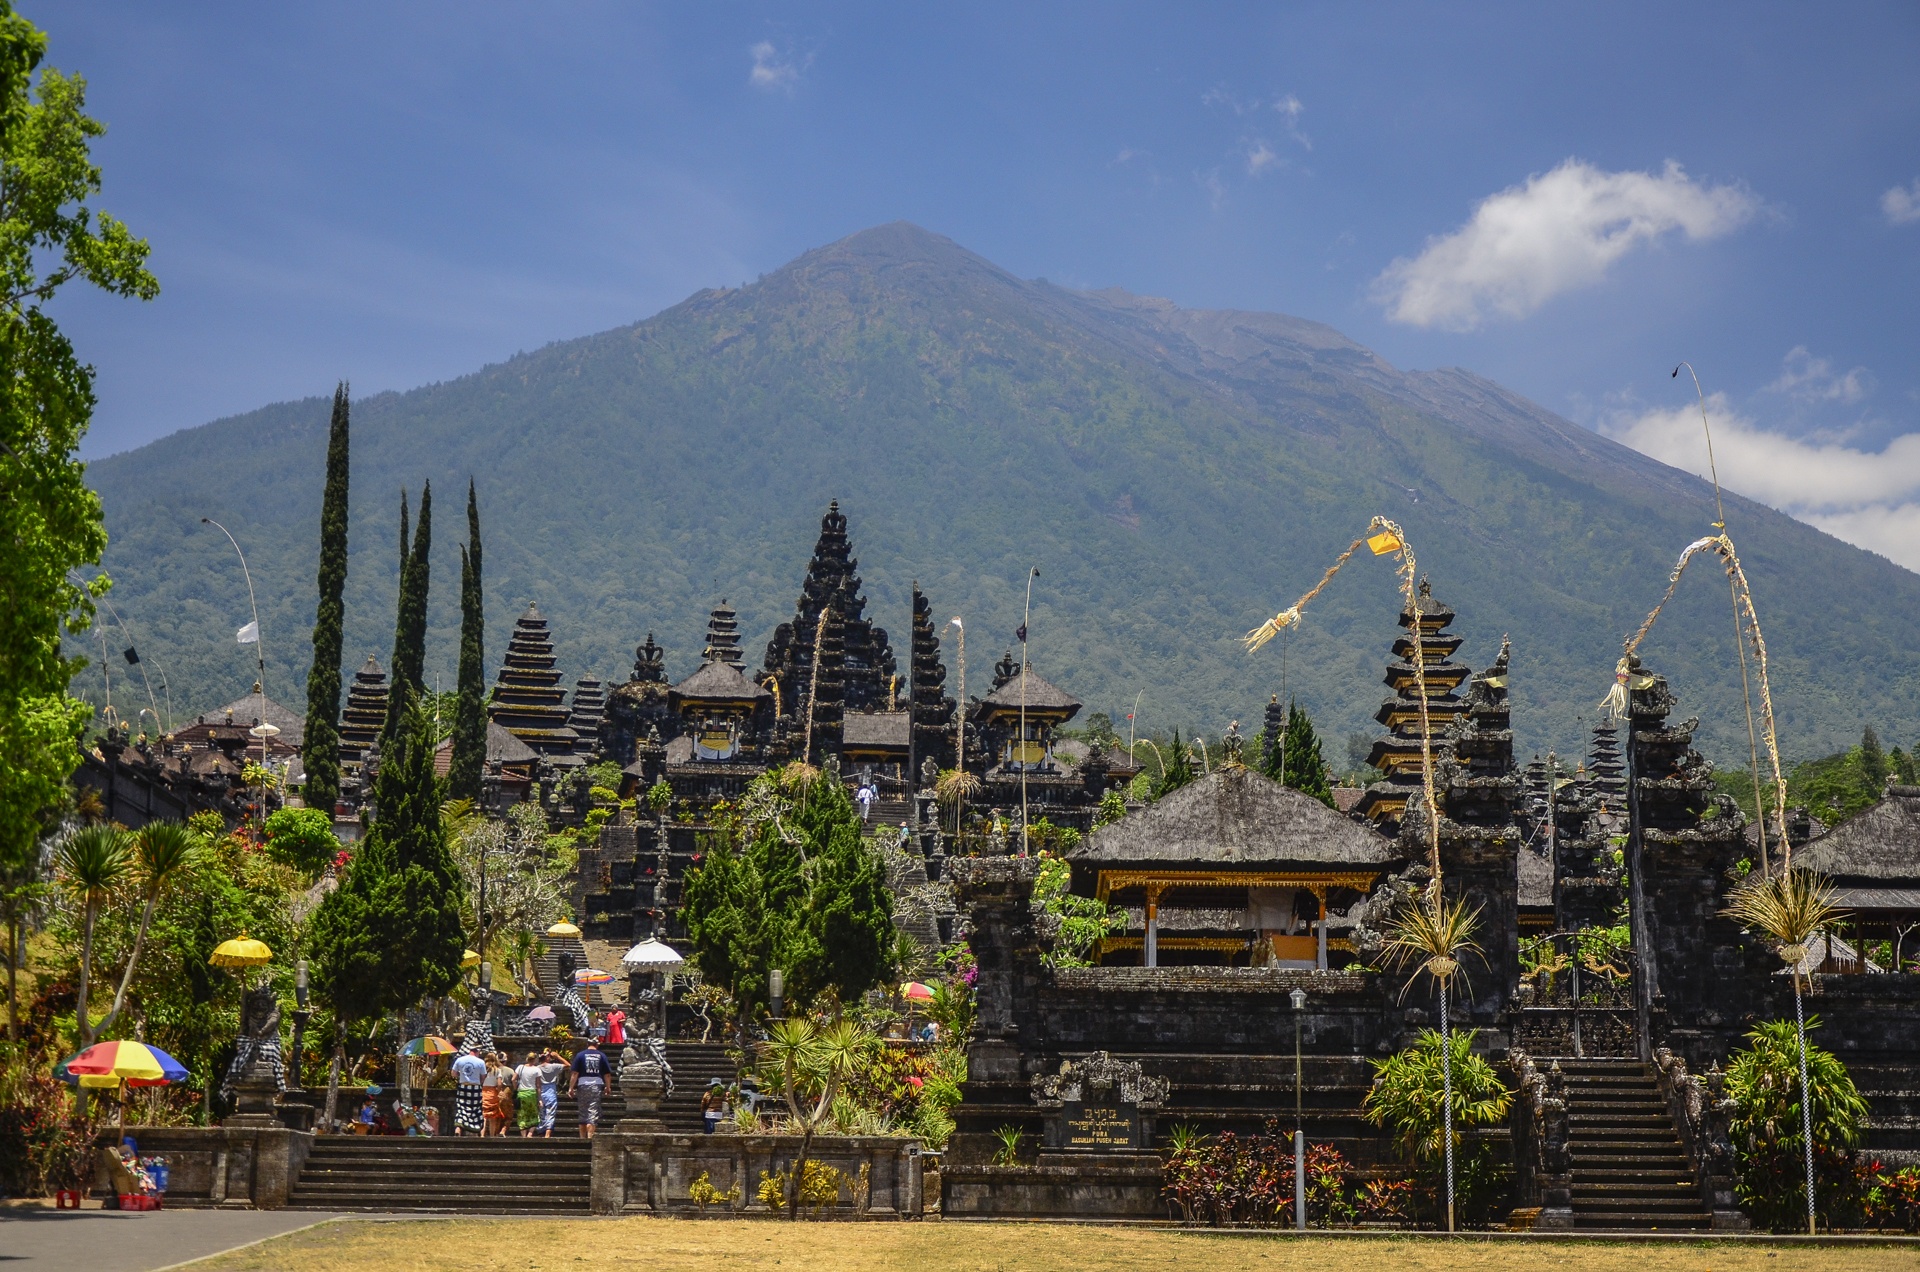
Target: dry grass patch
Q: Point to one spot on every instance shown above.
(668, 1245)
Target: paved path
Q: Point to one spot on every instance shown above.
(46, 1240)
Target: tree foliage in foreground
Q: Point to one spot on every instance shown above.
(50, 522)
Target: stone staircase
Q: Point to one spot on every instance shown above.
(1630, 1170)
(694, 1064)
(450, 1173)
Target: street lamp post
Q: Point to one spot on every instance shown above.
(776, 986)
(1299, 997)
(1026, 617)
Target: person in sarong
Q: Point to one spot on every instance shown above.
(496, 1092)
(469, 1073)
(550, 1070)
(526, 1092)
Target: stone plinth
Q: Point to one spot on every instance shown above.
(649, 1172)
(1114, 1185)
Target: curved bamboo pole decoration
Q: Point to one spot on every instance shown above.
(1383, 536)
(1616, 700)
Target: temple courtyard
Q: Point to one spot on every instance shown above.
(146, 1243)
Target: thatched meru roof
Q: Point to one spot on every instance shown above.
(1881, 843)
(256, 707)
(1041, 696)
(720, 682)
(1234, 818)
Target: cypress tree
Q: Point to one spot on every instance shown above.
(1178, 771)
(320, 748)
(1306, 768)
(410, 620)
(1873, 765)
(470, 718)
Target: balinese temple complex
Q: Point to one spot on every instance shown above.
(1245, 918)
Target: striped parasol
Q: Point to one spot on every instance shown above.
(109, 1064)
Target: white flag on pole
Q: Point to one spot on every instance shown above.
(250, 634)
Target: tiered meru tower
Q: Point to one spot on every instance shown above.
(528, 700)
(1398, 754)
(366, 714)
(589, 710)
(855, 662)
(932, 706)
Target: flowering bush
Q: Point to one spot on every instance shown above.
(1248, 1180)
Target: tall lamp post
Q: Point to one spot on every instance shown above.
(1299, 997)
(1026, 616)
(301, 1014)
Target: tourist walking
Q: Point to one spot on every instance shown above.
(864, 797)
(526, 1094)
(549, 1071)
(588, 1084)
(713, 1104)
(469, 1073)
(496, 1089)
(616, 1029)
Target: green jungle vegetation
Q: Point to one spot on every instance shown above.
(1177, 476)
(1832, 787)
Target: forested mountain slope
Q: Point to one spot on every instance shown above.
(1177, 475)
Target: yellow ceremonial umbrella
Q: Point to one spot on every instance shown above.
(563, 928)
(469, 959)
(242, 951)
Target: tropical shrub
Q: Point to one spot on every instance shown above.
(1408, 1098)
(1769, 1145)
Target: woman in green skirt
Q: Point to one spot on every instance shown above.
(526, 1094)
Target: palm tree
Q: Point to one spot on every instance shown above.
(92, 864)
(163, 852)
(1434, 935)
(1791, 906)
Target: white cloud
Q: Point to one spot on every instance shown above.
(1260, 157)
(1290, 109)
(1812, 379)
(771, 73)
(1559, 231)
(1902, 203)
(1871, 500)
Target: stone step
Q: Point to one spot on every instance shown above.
(1627, 1221)
(1636, 1174)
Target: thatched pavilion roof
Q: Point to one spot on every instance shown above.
(1881, 843)
(1234, 819)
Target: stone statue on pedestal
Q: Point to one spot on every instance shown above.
(257, 1074)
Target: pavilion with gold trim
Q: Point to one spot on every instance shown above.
(1233, 869)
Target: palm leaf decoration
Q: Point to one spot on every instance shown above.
(1434, 935)
(1791, 906)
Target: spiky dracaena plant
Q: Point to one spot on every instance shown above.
(1791, 906)
(1434, 935)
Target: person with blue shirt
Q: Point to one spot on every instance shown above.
(588, 1085)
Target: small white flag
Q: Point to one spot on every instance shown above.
(250, 634)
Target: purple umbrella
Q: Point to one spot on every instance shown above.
(540, 1013)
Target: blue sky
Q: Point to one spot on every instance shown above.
(1566, 199)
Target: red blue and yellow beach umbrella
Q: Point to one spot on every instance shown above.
(110, 1064)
